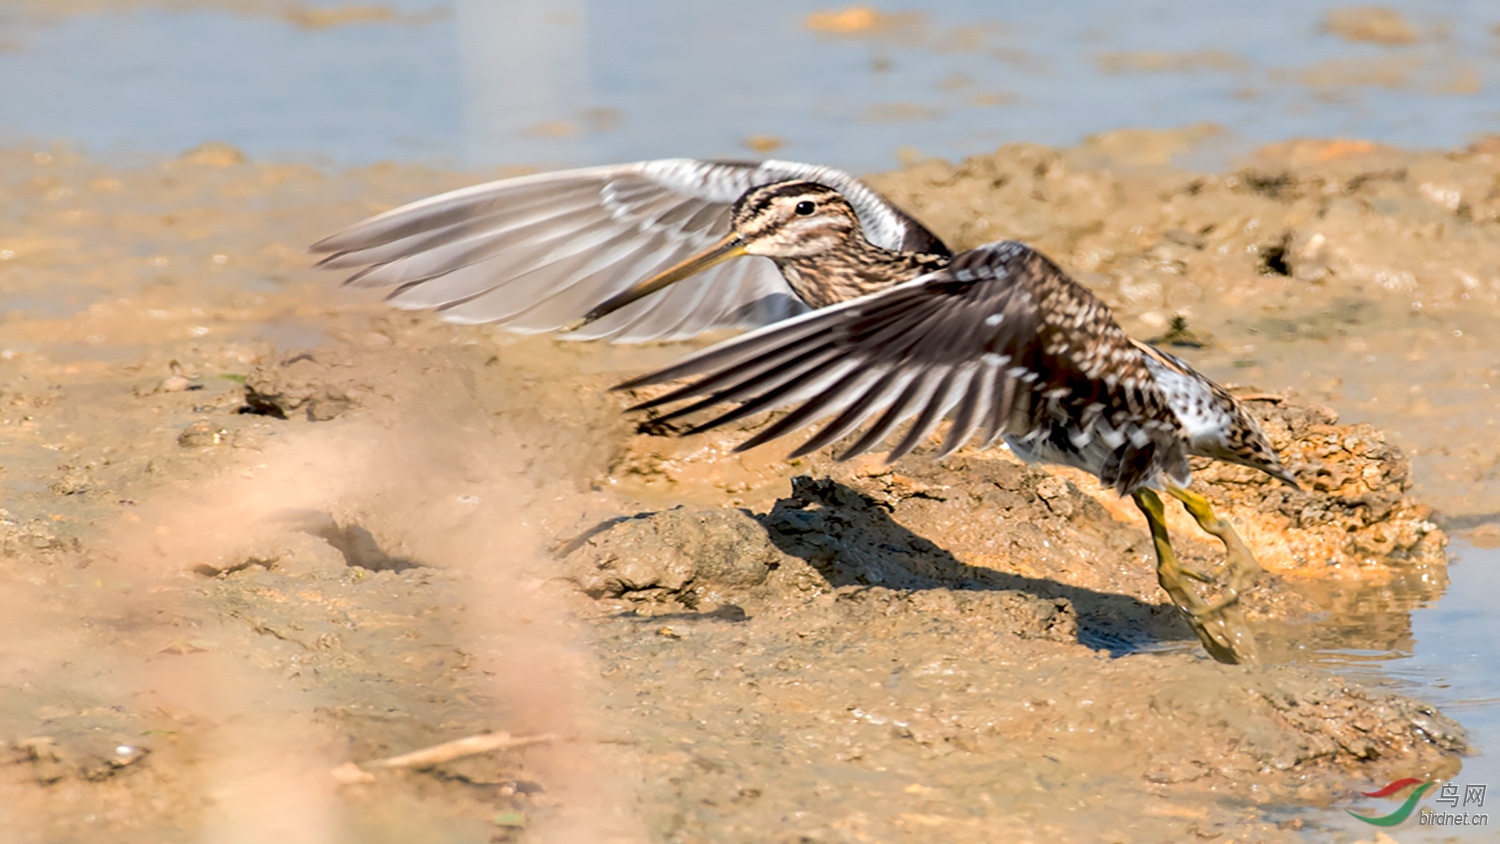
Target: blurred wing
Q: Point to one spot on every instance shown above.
(1001, 341)
(538, 252)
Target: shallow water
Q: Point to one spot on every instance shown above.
(487, 82)
(1450, 662)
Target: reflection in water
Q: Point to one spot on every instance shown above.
(1362, 623)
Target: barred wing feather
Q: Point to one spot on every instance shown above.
(1001, 342)
(536, 253)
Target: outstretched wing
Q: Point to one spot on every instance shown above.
(538, 252)
(1001, 341)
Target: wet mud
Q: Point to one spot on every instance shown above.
(255, 527)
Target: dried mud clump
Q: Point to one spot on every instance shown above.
(37, 541)
(824, 636)
(1353, 513)
(991, 515)
(315, 385)
(841, 645)
(692, 558)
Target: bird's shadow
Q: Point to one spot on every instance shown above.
(852, 540)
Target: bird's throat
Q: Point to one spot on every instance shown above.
(856, 268)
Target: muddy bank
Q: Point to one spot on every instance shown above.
(255, 527)
(940, 703)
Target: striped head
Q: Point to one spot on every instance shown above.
(813, 235)
(793, 220)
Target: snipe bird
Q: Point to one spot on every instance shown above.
(999, 339)
(537, 253)
(1063, 384)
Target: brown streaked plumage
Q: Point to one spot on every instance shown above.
(997, 338)
(1000, 339)
(1218, 425)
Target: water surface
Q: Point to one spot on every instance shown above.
(487, 82)
(1450, 661)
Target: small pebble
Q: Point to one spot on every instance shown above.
(201, 433)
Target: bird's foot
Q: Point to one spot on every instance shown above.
(1222, 630)
(1242, 568)
(1197, 575)
(1219, 625)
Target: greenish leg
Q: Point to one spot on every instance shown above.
(1219, 626)
(1243, 569)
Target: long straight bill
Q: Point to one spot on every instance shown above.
(720, 252)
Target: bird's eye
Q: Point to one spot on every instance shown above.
(805, 207)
